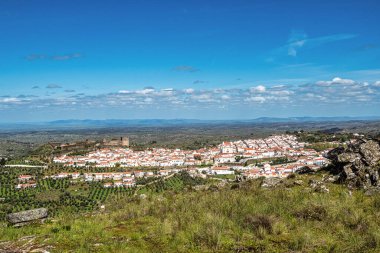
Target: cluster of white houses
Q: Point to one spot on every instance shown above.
(283, 170)
(220, 160)
(226, 152)
(26, 181)
(126, 157)
(128, 178)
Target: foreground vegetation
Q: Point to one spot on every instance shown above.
(235, 218)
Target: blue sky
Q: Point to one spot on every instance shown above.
(188, 59)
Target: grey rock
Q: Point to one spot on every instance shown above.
(357, 165)
(222, 184)
(322, 188)
(332, 179)
(161, 199)
(372, 191)
(347, 157)
(271, 182)
(142, 196)
(27, 216)
(370, 151)
(200, 187)
(318, 186)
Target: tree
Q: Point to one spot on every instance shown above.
(2, 161)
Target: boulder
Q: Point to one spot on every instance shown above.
(142, 196)
(305, 170)
(200, 187)
(370, 152)
(222, 184)
(357, 165)
(25, 217)
(347, 157)
(271, 182)
(372, 191)
(318, 186)
(332, 179)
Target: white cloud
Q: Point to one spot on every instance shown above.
(145, 91)
(311, 96)
(258, 89)
(335, 91)
(336, 80)
(292, 50)
(165, 92)
(9, 100)
(148, 100)
(125, 92)
(363, 98)
(281, 92)
(370, 91)
(202, 97)
(281, 86)
(298, 40)
(255, 99)
(189, 91)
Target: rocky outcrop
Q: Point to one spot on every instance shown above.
(26, 217)
(30, 243)
(271, 182)
(358, 165)
(318, 186)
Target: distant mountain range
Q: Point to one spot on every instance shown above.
(159, 122)
(89, 123)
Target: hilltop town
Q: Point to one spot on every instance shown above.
(275, 156)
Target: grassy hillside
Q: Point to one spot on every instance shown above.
(237, 218)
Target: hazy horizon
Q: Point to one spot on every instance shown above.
(258, 119)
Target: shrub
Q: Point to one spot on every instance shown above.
(235, 186)
(256, 223)
(312, 212)
(55, 230)
(66, 227)
(355, 220)
(213, 188)
(376, 201)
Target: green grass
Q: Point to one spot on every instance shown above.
(244, 219)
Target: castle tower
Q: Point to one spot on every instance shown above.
(124, 141)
